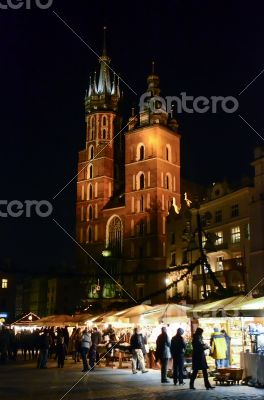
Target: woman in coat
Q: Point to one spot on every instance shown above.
(199, 360)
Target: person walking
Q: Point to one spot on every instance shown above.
(177, 348)
(86, 342)
(163, 353)
(199, 359)
(218, 348)
(137, 345)
(44, 345)
(96, 337)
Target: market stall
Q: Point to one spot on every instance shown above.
(26, 323)
(252, 358)
(223, 314)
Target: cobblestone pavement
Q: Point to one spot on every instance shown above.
(23, 381)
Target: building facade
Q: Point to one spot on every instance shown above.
(127, 181)
(232, 223)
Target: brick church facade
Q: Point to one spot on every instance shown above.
(128, 178)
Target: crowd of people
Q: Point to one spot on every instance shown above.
(83, 345)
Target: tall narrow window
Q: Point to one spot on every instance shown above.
(104, 133)
(142, 181)
(141, 203)
(91, 152)
(91, 171)
(90, 192)
(234, 210)
(168, 152)
(141, 228)
(141, 153)
(90, 212)
(114, 235)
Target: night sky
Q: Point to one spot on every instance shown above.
(203, 48)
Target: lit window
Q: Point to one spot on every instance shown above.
(219, 263)
(208, 291)
(235, 234)
(234, 210)
(4, 283)
(247, 231)
(220, 238)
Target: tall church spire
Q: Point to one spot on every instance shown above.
(104, 84)
(104, 95)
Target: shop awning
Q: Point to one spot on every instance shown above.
(56, 320)
(219, 308)
(166, 313)
(250, 307)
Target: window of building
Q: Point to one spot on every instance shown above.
(247, 231)
(90, 212)
(218, 216)
(168, 152)
(234, 210)
(220, 238)
(92, 125)
(91, 153)
(104, 133)
(235, 234)
(141, 181)
(4, 283)
(90, 171)
(219, 263)
(114, 235)
(173, 259)
(104, 120)
(208, 291)
(142, 204)
(141, 153)
(90, 192)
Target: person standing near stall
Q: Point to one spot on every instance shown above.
(218, 348)
(163, 353)
(86, 342)
(177, 348)
(137, 345)
(199, 359)
(228, 348)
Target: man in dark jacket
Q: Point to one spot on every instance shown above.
(177, 348)
(199, 359)
(137, 346)
(163, 353)
(44, 344)
(96, 339)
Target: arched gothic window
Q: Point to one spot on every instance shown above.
(168, 152)
(114, 235)
(90, 192)
(141, 181)
(90, 213)
(141, 153)
(90, 171)
(104, 134)
(91, 152)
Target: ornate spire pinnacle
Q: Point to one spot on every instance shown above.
(104, 41)
(104, 84)
(90, 86)
(94, 86)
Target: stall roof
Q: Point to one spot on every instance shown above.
(166, 312)
(219, 308)
(28, 319)
(56, 320)
(250, 307)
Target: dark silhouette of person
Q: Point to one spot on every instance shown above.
(178, 346)
(199, 359)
